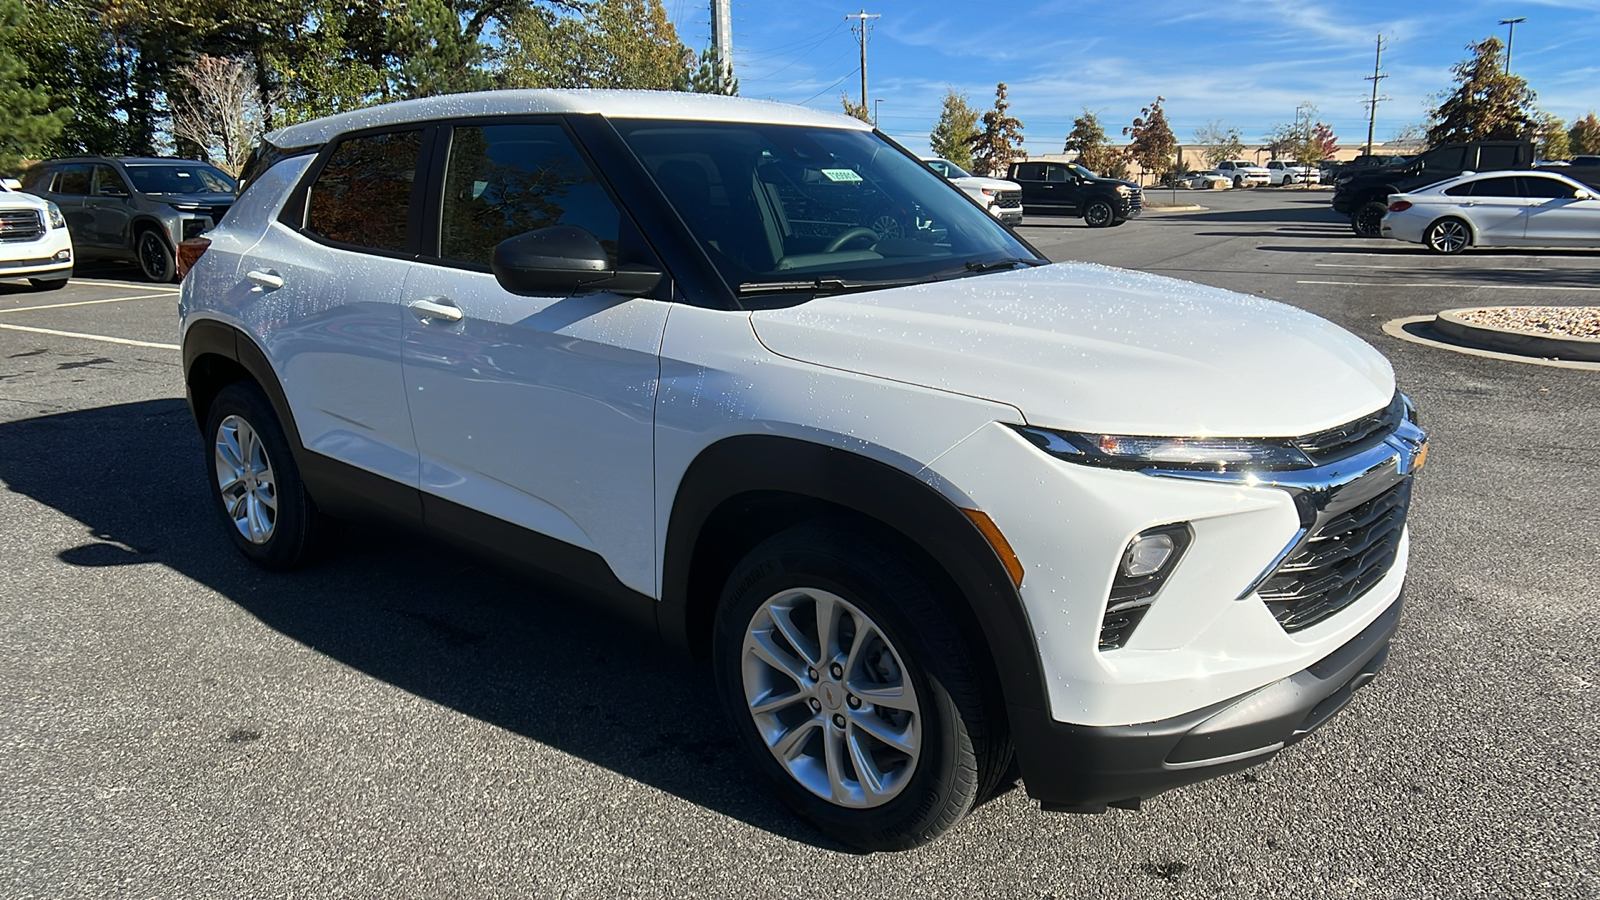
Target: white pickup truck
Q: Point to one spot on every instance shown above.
(1244, 173)
(1003, 199)
(1281, 172)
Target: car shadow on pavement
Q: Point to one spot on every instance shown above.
(440, 625)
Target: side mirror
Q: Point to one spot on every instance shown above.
(564, 259)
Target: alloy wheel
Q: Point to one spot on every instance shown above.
(245, 477)
(831, 698)
(1098, 215)
(1449, 236)
(153, 257)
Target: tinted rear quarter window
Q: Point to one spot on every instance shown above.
(362, 196)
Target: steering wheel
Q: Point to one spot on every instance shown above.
(848, 235)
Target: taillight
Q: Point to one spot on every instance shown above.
(1400, 206)
(189, 253)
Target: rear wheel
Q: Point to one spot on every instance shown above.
(854, 695)
(1099, 214)
(255, 484)
(1448, 236)
(1367, 220)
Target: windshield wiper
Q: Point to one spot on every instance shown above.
(1007, 263)
(784, 287)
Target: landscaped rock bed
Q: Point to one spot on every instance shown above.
(1566, 321)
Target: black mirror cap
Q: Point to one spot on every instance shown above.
(564, 259)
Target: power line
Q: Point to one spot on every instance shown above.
(827, 89)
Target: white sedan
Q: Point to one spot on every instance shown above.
(1209, 181)
(1496, 209)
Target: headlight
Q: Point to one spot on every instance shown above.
(987, 192)
(1119, 451)
(57, 220)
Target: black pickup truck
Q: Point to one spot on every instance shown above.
(1068, 189)
(1363, 194)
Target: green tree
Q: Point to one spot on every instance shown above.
(1550, 133)
(852, 108)
(602, 44)
(712, 77)
(1219, 142)
(1584, 135)
(316, 71)
(999, 143)
(66, 55)
(27, 121)
(1088, 140)
(952, 135)
(1151, 142)
(1488, 102)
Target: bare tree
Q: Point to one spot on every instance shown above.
(222, 112)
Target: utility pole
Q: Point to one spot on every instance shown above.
(1511, 33)
(722, 35)
(1372, 105)
(861, 31)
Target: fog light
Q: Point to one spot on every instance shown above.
(1147, 554)
(62, 255)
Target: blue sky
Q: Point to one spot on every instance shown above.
(1247, 64)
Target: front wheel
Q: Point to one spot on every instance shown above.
(156, 261)
(1448, 236)
(1288, 180)
(255, 484)
(1367, 220)
(1238, 182)
(850, 689)
(1099, 214)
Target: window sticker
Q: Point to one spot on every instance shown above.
(843, 175)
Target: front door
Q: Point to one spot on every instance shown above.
(539, 411)
(1065, 188)
(1556, 217)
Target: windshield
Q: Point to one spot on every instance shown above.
(951, 170)
(788, 207)
(1081, 170)
(180, 178)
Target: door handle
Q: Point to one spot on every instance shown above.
(436, 308)
(265, 279)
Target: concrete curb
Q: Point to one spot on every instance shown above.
(1417, 330)
(1191, 207)
(1523, 343)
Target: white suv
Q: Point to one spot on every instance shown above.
(1281, 173)
(756, 379)
(1003, 199)
(34, 241)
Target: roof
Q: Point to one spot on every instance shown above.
(125, 160)
(612, 104)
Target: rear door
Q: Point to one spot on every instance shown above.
(333, 264)
(1038, 195)
(108, 208)
(1497, 210)
(70, 191)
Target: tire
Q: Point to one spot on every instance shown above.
(1238, 182)
(1288, 180)
(48, 284)
(255, 483)
(155, 258)
(1448, 236)
(1367, 219)
(1117, 223)
(775, 687)
(1099, 214)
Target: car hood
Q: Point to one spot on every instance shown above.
(993, 184)
(1097, 349)
(18, 200)
(1114, 182)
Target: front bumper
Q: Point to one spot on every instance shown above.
(1011, 215)
(1079, 768)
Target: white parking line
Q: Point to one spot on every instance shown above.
(79, 303)
(89, 337)
(123, 285)
(1408, 268)
(1453, 284)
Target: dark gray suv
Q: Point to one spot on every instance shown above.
(134, 208)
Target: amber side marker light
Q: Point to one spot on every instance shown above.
(189, 253)
(1002, 547)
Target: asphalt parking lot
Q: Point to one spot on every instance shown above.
(404, 722)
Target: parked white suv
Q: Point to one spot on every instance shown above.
(1003, 199)
(1281, 173)
(758, 380)
(34, 242)
(1243, 174)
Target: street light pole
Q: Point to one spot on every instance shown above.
(875, 102)
(1511, 32)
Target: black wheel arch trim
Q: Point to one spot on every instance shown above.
(755, 464)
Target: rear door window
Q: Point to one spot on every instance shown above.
(1491, 158)
(1029, 172)
(362, 197)
(107, 183)
(504, 180)
(73, 181)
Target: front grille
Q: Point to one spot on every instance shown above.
(21, 225)
(1008, 199)
(1136, 200)
(1340, 559)
(1353, 437)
